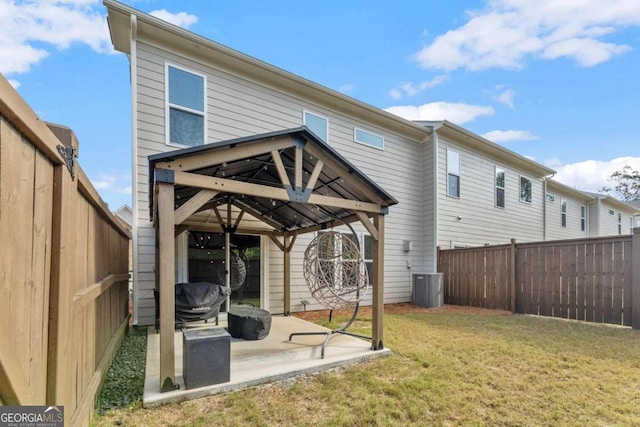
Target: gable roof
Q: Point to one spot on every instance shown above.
(156, 31)
(615, 202)
(255, 160)
(483, 145)
(581, 195)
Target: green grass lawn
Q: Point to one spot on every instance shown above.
(446, 369)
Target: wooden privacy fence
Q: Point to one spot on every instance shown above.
(595, 280)
(63, 269)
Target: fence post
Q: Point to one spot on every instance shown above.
(635, 279)
(512, 278)
(438, 270)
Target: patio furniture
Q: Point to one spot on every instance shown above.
(337, 277)
(249, 323)
(194, 302)
(207, 357)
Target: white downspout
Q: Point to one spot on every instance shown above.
(133, 65)
(435, 143)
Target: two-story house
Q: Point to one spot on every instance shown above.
(452, 187)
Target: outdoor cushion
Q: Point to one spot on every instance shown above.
(249, 323)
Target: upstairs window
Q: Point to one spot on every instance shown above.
(317, 124)
(453, 173)
(368, 138)
(583, 218)
(631, 225)
(619, 223)
(185, 107)
(563, 212)
(525, 190)
(500, 188)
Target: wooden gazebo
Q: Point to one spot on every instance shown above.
(279, 184)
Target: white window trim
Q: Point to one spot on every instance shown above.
(619, 223)
(563, 202)
(168, 105)
(355, 139)
(458, 175)
(520, 189)
(504, 187)
(304, 122)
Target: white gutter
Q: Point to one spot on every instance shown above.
(133, 63)
(435, 148)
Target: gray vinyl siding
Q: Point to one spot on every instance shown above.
(555, 230)
(238, 108)
(481, 221)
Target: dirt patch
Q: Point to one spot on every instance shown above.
(401, 308)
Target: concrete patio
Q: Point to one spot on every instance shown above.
(258, 362)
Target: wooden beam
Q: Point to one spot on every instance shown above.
(88, 295)
(166, 249)
(294, 236)
(298, 168)
(275, 240)
(238, 219)
(61, 373)
(192, 205)
(377, 319)
(331, 163)
(258, 215)
(287, 277)
(218, 215)
(216, 228)
(317, 169)
(233, 153)
(282, 172)
(265, 191)
(334, 202)
(364, 219)
(347, 220)
(23, 118)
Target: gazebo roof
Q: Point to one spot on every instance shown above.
(259, 177)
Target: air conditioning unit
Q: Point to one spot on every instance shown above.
(428, 290)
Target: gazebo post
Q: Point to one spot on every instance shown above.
(287, 275)
(166, 248)
(377, 320)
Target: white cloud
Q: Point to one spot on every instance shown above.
(506, 98)
(181, 19)
(14, 83)
(395, 94)
(30, 29)
(501, 136)
(592, 175)
(507, 33)
(458, 113)
(411, 89)
(117, 183)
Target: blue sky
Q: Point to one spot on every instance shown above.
(555, 81)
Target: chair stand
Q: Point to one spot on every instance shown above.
(342, 330)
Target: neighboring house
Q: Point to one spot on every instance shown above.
(453, 188)
(609, 216)
(483, 193)
(567, 212)
(636, 204)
